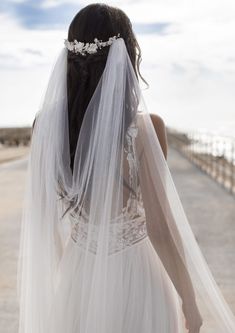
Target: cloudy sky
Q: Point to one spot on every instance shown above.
(188, 57)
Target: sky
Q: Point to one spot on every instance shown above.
(188, 53)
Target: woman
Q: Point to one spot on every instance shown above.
(105, 245)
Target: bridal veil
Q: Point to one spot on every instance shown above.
(95, 194)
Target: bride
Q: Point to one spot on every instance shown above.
(105, 243)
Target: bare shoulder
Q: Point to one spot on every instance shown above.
(158, 123)
(160, 129)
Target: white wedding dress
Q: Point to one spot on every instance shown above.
(105, 247)
(136, 280)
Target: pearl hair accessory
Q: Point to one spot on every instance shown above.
(83, 48)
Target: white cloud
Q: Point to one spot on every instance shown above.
(26, 57)
(16, 40)
(187, 89)
(16, 1)
(21, 92)
(191, 68)
(50, 3)
(166, 10)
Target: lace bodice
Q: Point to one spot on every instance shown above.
(129, 227)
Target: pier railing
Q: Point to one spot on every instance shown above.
(213, 154)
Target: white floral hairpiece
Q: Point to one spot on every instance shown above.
(83, 48)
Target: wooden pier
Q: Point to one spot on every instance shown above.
(213, 154)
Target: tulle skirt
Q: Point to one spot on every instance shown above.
(145, 296)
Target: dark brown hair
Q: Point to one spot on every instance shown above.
(83, 72)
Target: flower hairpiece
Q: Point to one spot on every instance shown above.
(83, 48)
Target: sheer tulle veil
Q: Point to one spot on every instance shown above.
(97, 190)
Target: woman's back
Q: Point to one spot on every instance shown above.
(129, 262)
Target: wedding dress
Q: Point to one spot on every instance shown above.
(145, 295)
(108, 247)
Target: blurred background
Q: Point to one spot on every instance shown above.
(188, 53)
(188, 57)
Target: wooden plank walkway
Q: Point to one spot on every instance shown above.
(211, 212)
